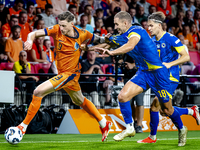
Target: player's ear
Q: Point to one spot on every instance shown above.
(72, 22)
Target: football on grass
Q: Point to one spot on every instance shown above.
(13, 135)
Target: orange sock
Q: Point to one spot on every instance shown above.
(33, 109)
(89, 107)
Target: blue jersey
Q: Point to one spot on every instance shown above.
(145, 52)
(169, 47)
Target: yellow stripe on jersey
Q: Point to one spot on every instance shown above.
(170, 96)
(150, 66)
(134, 34)
(179, 49)
(172, 78)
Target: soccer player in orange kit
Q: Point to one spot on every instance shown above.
(67, 39)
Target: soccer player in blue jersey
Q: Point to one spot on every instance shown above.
(169, 47)
(151, 74)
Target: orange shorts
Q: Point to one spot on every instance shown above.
(66, 80)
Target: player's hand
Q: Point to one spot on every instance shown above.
(167, 65)
(28, 45)
(103, 52)
(107, 36)
(83, 47)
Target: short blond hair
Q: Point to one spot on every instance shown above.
(68, 16)
(122, 15)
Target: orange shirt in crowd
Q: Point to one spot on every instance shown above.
(41, 3)
(14, 47)
(188, 38)
(13, 12)
(6, 30)
(25, 30)
(195, 40)
(30, 19)
(67, 48)
(167, 11)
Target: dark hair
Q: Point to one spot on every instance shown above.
(68, 16)
(45, 40)
(48, 6)
(158, 17)
(71, 6)
(143, 20)
(36, 23)
(87, 6)
(22, 12)
(29, 4)
(19, 1)
(14, 16)
(14, 28)
(99, 10)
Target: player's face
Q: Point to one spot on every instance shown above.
(120, 25)
(65, 27)
(153, 27)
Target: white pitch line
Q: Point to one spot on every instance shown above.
(99, 140)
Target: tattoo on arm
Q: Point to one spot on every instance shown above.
(98, 39)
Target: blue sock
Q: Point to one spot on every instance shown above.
(181, 111)
(126, 111)
(176, 119)
(154, 121)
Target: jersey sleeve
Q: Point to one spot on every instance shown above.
(176, 43)
(133, 33)
(118, 40)
(51, 31)
(87, 37)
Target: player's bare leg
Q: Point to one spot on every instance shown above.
(129, 91)
(41, 91)
(78, 99)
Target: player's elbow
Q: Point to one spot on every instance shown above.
(187, 58)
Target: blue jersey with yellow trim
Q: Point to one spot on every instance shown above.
(145, 52)
(169, 47)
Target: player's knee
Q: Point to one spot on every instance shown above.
(168, 112)
(122, 97)
(37, 92)
(78, 103)
(155, 106)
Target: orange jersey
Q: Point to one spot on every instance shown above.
(13, 12)
(41, 3)
(6, 30)
(31, 19)
(25, 30)
(67, 48)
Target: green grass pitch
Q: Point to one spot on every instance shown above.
(166, 141)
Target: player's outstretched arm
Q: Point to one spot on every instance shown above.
(132, 42)
(31, 36)
(184, 58)
(98, 39)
